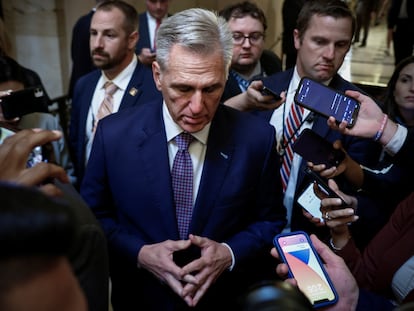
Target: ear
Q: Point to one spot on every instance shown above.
(296, 39)
(132, 40)
(156, 73)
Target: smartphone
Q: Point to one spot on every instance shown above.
(296, 250)
(310, 202)
(37, 155)
(316, 149)
(326, 101)
(268, 92)
(20, 103)
(323, 185)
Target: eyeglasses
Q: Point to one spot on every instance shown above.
(254, 38)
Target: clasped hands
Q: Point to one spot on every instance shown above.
(191, 281)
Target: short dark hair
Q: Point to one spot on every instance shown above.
(242, 9)
(333, 8)
(10, 70)
(130, 13)
(35, 230)
(33, 223)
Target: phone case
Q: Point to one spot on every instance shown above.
(20, 103)
(314, 148)
(306, 267)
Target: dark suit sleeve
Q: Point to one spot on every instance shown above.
(370, 301)
(96, 192)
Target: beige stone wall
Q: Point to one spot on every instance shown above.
(41, 31)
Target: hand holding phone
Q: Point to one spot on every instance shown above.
(323, 186)
(38, 154)
(314, 148)
(268, 92)
(296, 250)
(326, 101)
(310, 201)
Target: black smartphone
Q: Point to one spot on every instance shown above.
(326, 101)
(20, 103)
(316, 149)
(296, 250)
(268, 92)
(323, 185)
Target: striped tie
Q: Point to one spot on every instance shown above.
(107, 104)
(290, 133)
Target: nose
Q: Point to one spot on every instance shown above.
(246, 43)
(196, 102)
(329, 51)
(96, 41)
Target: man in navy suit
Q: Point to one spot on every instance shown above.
(112, 43)
(149, 22)
(237, 197)
(322, 37)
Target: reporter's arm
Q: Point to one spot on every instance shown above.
(253, 99)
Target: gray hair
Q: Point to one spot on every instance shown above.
(199, 30)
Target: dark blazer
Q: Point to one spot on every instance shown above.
(364, 151)
(145, 91)
(144, 37)
(128, 187)
(393, 176)
(80, 51)
(394, 11)
(270, 63)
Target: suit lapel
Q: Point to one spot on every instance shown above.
(219, 154)
(134, 88)
(152, 155)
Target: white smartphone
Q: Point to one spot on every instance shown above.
(296, 250)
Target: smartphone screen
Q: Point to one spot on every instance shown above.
(310, 202)
(323, 185)
(316, 149)
(296, 250)
(326, 101)
(37, 155)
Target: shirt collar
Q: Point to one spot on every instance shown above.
(172, 129)
(123, 78)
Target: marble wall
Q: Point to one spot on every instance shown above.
(41, 30)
